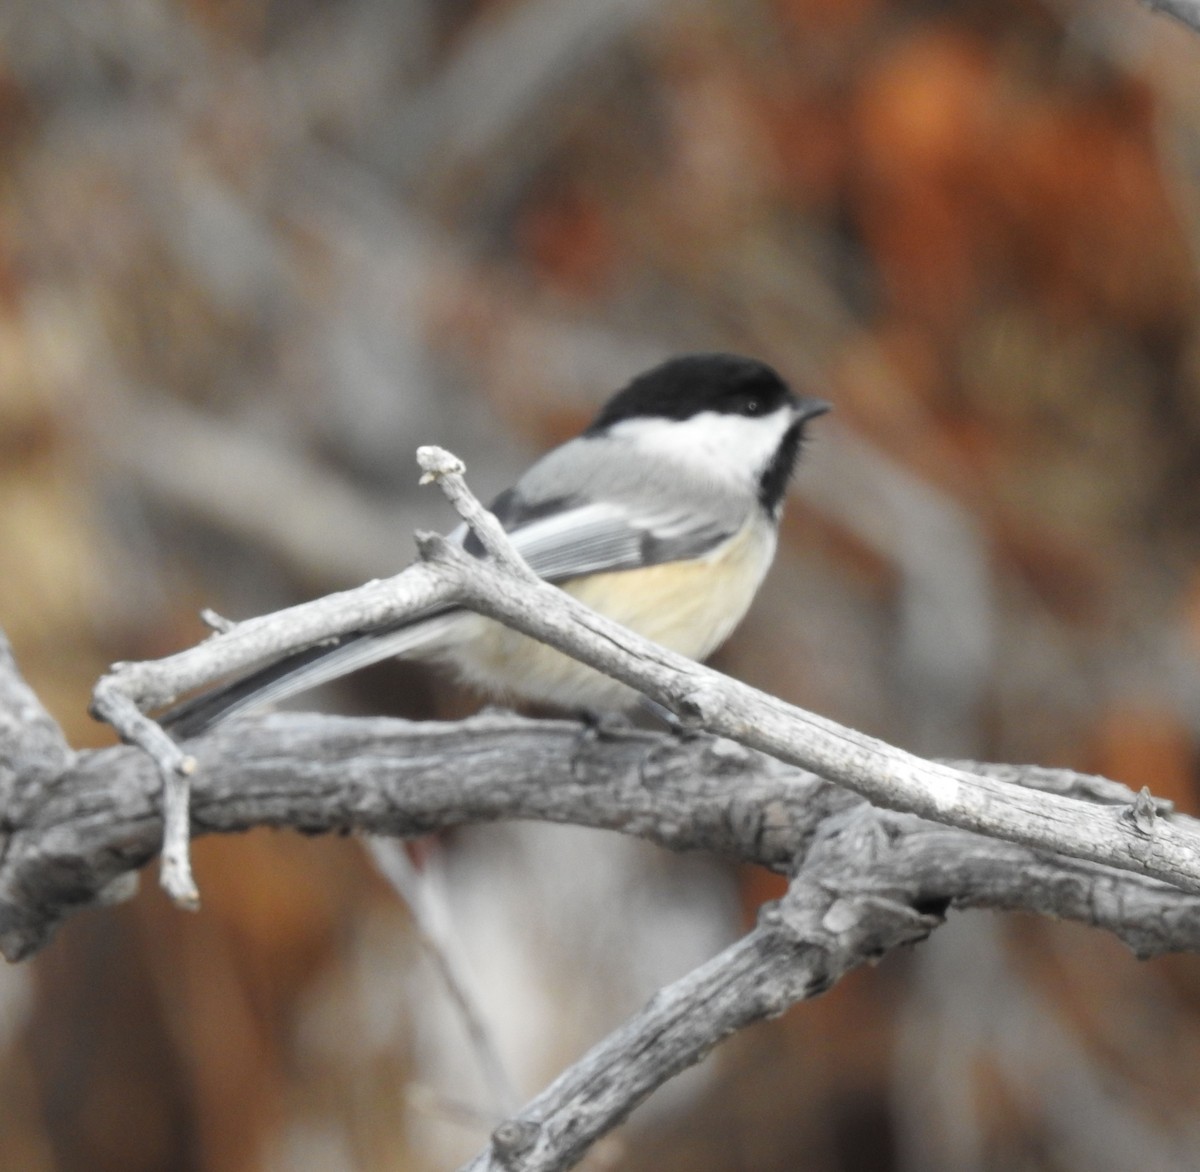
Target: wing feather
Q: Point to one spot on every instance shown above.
(597, 537)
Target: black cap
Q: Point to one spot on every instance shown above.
(682, 387)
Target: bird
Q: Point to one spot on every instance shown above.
(662, 515)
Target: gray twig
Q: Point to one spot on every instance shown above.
(447, 471)
(174, 767)
(129, 689)
(801, 946)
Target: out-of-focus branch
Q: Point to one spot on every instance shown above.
(1185, 11)
(972, 1009)
(945, 593)
(432, 921)
(225, 476)
(497, 78)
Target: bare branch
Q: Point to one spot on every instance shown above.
(154, 683)
(447, 471)
(872, 881)
(101, 818)
(885, 775)
(801, 947)
(174, 767)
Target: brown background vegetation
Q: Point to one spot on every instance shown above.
(253, 253)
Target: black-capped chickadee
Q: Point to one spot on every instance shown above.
(662, 515)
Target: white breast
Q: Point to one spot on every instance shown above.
(689, 607)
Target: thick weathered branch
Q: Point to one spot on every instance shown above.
(33, 751)
(100, 819)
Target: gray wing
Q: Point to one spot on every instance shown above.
(604, 526)
(592, 538)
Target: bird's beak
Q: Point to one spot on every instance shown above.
(807, 409)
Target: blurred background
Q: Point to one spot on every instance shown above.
(253, 253)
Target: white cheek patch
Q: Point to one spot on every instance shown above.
(727, 447)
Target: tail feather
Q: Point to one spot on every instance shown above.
(302, 671)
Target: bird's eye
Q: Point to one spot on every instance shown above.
(752, 406)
